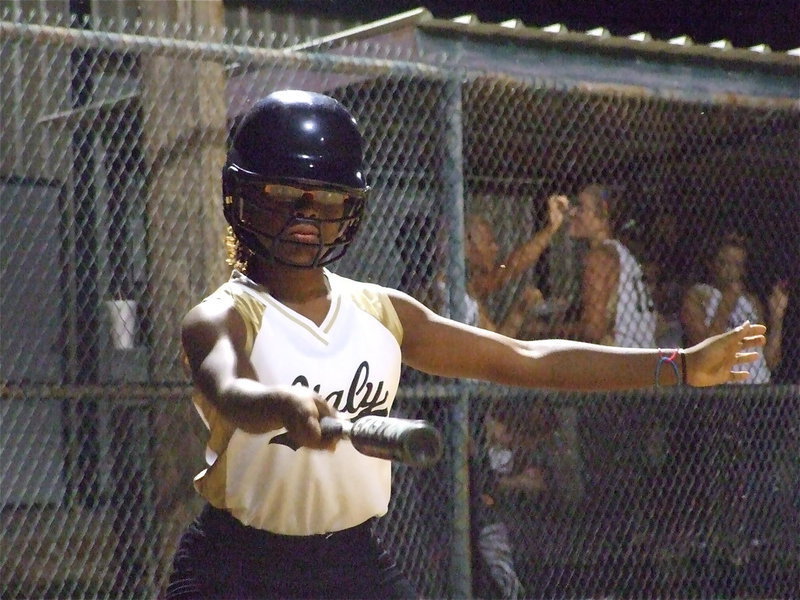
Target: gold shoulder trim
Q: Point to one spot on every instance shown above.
(372, 299)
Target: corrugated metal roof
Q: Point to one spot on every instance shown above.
(603, 38)
(558, 33)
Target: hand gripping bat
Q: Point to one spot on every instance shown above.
(415, 443)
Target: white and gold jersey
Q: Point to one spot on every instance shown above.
(353, 360)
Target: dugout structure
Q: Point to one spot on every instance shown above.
(113, 135)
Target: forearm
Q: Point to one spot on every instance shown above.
(249, 405)
(579, 366)
(524, 257)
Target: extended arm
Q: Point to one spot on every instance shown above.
(213, 337)
(443, 347)
(528, 253)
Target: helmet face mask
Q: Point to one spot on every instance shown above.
(299, 223)
(293, 187)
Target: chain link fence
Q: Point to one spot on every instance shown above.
(112, 147)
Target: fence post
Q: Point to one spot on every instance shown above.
(460, 577)
(185, 125)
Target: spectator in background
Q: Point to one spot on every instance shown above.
(487, 274)
(710, 308)
(509, 473)
(616, 306)
(667, 295)
(659, 245)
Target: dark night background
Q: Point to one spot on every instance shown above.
(744, 23)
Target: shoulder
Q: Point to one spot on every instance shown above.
(207, 325)
(214, 313)
(372, 298)
(215, 307)
(241, 295)
(227, 312)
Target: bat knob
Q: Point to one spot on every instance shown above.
(423, 446)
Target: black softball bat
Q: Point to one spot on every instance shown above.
(415, 443)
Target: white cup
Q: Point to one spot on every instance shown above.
(124, 322)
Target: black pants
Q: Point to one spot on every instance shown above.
(218, 558)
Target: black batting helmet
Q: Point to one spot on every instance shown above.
(291, 146)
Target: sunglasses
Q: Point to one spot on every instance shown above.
(299, 193)
(257, 204)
